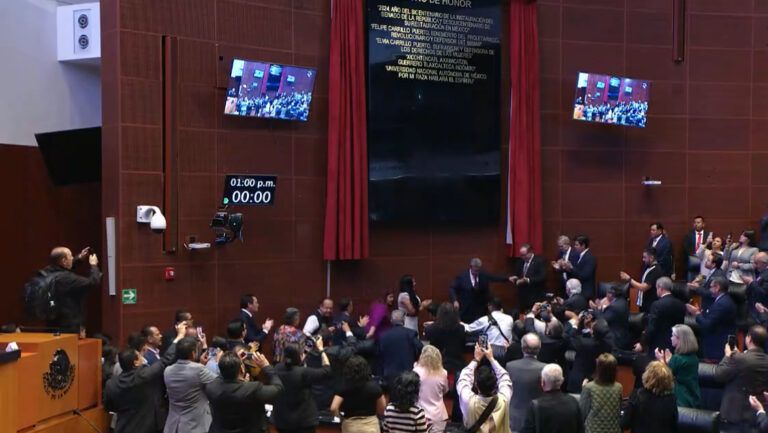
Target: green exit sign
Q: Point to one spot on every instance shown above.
(129, 296)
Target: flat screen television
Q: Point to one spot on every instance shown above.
(610, 99)
(269, 90)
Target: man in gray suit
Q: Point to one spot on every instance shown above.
(185, 381)
(743, 374)
(526, 381)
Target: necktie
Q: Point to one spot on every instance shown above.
(525, 268)
(698, 240)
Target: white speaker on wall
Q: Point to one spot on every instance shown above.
(79, 33)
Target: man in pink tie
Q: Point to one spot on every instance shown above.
(693, 240)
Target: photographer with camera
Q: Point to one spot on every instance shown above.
(496, 325)
(57, 283)
(541, 315)
(589, 342)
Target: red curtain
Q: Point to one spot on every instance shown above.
(524, 183)
(346, 208)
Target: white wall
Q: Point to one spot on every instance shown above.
(37, 93)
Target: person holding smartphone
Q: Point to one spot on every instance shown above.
(743, 374)
(69, 288)
(295, 411)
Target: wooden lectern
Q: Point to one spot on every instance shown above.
(52, 385)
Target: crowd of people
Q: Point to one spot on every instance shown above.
(632, 113)
(385, 371)
(289, 106)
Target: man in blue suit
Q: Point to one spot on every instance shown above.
(717, 322)
(663, 247)
(249, 306)
(585, 268)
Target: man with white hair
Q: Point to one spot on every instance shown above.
(567, 254)
(576, 302)
(526, 380)
(554, 411)
(470, 291)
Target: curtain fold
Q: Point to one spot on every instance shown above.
(346, 208)
(524, 219)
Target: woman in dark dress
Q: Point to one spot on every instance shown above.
(653, 408)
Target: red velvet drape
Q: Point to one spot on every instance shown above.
(524, 184)
(346, 208)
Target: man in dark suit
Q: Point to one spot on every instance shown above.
(398, 348)
(526, 381)
(168, 335)
(585, 268)
(646, 286)
(715, 264)
(762, 418)
(743, 374)
(530, 276)
(663, 246)
(757, 288)
(614, 309)
(576, 302)
(136, 395)
(691, 243)
(665, 313)
(555, 411)
(235, 334)
(566, 254)
(717, 322)
(238, 406)
(470, 291)
(249, 306)
(69, 289)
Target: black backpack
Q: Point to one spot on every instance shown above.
(39, 296)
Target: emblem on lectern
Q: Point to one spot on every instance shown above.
(60, 375)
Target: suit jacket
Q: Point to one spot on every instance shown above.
(238, 407)
(762, 423)
(715, 325)
(526, 385)
(617, 315)
(689, 242)
(576, 303)
(294, 407)
(137, 397)
(151, 357)
(665, 313)
(650, 413)
(703, 291)
(253, 331)
(537, 274)
(398, 350)
(757, 291)
(584, 270)
(743, 374)
(663, 254)
(189, 411)
(557, 412)
(587, 350)
(473, 301)
(552, 350)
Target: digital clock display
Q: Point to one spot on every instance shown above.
(249, 189)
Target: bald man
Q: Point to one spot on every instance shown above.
(69, 288)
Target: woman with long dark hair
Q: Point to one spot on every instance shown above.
(402, 413)
(409, 302)
(295, 410)
(360, 398)
(448, 335)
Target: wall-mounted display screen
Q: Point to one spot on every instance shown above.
(269, 90)
(610, 99)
